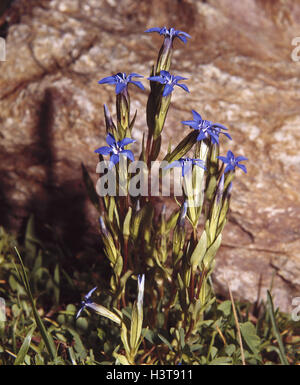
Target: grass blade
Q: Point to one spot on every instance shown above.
(237, 326)
(24, 348)
(45, 335)
(270, 307)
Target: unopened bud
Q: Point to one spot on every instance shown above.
(103, 227)
(181, 219)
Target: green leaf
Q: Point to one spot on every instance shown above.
(56, 280)
(183, 147)
(182, 338)
(211, 252)
(230, 349)
(171, 222)
(249, 334)
(225, 308)
(221, 361)
(72, 355)
(78, 345)
(24, 348)
(45, 335)
(270, 308)
(126, 225)
(121, 358)
(133, 121)
(31, 241)
(155, 148)
(165, 341)
(149, 335)
(199, 251)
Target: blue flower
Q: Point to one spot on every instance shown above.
(233, 162)
(87, 302)
(186, 164)
(115, 149)
(121, 81)
(171, 33)
(169, 80)
(206, 128)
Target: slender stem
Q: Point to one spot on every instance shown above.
(125, 256)
(237, 326)
(192, 284)
(189, 330)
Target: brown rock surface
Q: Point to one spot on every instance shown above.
(241, 74)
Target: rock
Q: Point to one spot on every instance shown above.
(241, 73)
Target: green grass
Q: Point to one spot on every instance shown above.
(42, 298)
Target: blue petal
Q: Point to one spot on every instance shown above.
(199, 163)
(219, 126)
(120, 87)
(223, 159)
(184, 34)
(104, 150)
(196, 116)
(226, 134)
(182, 38)
(191, 123)
(90, 293)
(165, 73)
(186, 168)
(177, 78)
(168, 89)
(79, 312)
(188, 122)
(114, 159)
(155, 29)
(108, 80)
(201, 136)
(229, 167)
(124, 142)
(230, 155)
(139, 84)
(214, 137)
(128, 154)
(110, 140)
(134, 74)
(175, 163)
(157, 79)
(240, 158)
(183, 86)
(243, 167)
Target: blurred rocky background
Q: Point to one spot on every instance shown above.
(241, 73)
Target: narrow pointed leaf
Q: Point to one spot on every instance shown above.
(24, 348)
(199, 251)
(48, 340)
(183, 147)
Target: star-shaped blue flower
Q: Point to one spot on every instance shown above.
(206, 128)
(87, 302)
(121, 81)
(171, 33)
(115, 149)
(169, 80)
(233, 162)
(186, 164)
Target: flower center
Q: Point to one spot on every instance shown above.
(121, 77)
